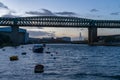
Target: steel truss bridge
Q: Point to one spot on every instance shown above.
(57, 21)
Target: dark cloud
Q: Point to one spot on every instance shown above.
(3, 6)
(47, 12)
(115, 13)
(94, 10)
(44, 13)
(66, 13)
(33, 13)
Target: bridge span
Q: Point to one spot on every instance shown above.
(58, 21)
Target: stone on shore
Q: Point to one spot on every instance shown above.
(13, 58)
(39, 68)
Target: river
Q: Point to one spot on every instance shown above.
(65, 62)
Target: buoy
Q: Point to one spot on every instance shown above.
(3, 49)
(51, 54)
(38, 49)
(44, 45)
(24, 53)
(13, 58)
(39, 68)
(54, 58)
(47, 52)
(56, 52)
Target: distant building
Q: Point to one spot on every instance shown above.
(64, 39)
(48, 39)
(109, 38)
(34, 40)
(23, 35)
(80, 37)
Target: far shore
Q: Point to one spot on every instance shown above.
(104, 44)
(86, 43)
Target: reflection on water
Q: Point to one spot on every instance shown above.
(65, 62)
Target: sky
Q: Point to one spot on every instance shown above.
(91, 9)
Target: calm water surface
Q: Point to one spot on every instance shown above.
(65, 62)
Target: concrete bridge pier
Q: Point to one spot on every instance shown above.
(92, 35)
(15, 35)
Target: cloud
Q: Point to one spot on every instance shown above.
(12, 11)
(3, 6)
(37, 34)
(5, 11)
(94, 16)
(34, 28)
(94, 10)
(47, 12)
(66, 13)
(10, 15)
(115, 13)
(44, 13)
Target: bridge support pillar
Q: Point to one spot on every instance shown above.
(92, 35)
(15, 35)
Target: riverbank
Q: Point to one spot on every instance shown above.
(73, 42)
(104, 44)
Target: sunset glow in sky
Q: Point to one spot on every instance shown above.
(93, 9)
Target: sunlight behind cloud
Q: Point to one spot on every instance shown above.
(3, 12)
